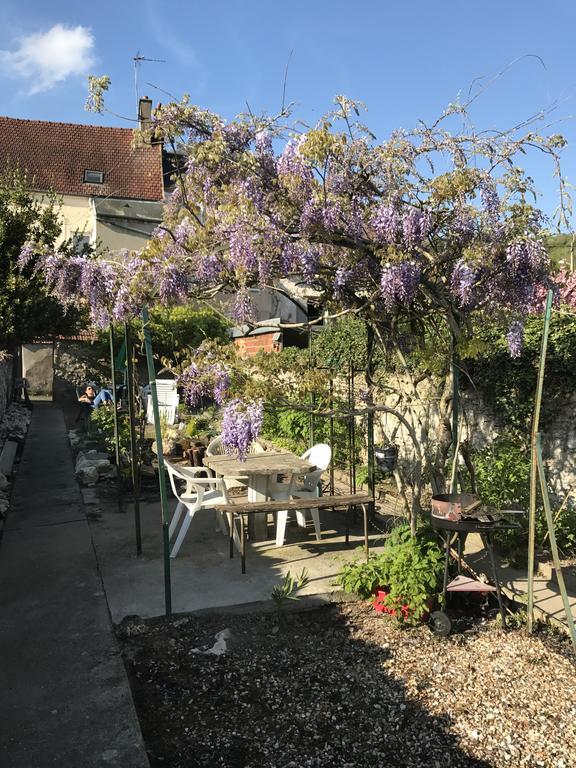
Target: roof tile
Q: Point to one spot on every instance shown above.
(55, 156)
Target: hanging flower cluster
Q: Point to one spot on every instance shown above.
(211, 381)
(241, 424)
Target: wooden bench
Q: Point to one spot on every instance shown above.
(242, 508)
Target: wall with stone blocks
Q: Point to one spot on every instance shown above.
(5, 384)
(479, 426)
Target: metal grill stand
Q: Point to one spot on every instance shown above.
(462, 527)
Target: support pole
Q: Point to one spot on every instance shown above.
(116, 429)
(331, 433)
(455, 416)
(161, 473)
(552, 538)
(311, 420)
(353, 428)
(113, 380)
(370, 414)
(134, 455)
(534, 462)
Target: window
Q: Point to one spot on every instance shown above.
(94, 177)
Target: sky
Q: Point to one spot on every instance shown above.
(405, 60)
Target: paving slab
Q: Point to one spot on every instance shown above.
(64, 694)
(548, 604)
(203, 577)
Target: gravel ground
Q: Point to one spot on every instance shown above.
(342, 687)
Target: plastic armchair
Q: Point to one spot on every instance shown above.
(306, 487)
(197, 493)
(215, 448)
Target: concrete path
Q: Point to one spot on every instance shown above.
(548, 605)
(64, 695)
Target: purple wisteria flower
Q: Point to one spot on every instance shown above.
(489, 197)
(515, 338)
(399, 283)
(237, 136)
(415, 227)
(212, 381)
(464, 225)
(242, 253)
(241, 425)
(309, 260)
(184, 230)
(243, 311)
(387, 223)
(463, 280)
(294, 172)
(26, 255)
(173, 283)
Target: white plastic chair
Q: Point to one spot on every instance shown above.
(307, 487)
(215, 448)
(198, 493)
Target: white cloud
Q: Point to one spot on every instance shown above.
(45, 59)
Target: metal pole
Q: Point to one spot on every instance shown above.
(455, 415)
(311, 422)
(552, 538)
(370, 414)
(353, 430)
(113, 378)
(533, 462)
(161, 474)
(116, 430)
(350, 417)
(331, 424)
(134, 456)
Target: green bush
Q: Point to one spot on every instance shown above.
(103, 419)
(503, 480)
(410, 569)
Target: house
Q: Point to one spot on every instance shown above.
(111, 191)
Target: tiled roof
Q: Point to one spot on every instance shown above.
(55, 156)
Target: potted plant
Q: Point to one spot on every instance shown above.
(403, 579)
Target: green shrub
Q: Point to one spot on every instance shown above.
(503, 480)
(103, 419)
(410, 569)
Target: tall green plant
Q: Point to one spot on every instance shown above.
(409, 569)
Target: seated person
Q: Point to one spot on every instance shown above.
(89, 396)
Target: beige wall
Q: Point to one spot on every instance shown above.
(76, 216)
(116, 237)
(38, 367)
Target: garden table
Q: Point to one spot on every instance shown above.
(258, 468)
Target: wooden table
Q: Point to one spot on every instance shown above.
(258, 468)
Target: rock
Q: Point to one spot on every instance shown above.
(3, 481)
(87, 475)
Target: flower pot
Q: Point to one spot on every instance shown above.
(402, 611)
(386, 457)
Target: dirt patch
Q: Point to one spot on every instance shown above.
(341, 687)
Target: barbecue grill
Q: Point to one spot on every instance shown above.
(455, 515)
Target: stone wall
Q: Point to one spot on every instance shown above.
(75, 364)
(5, 384)
(479, 426)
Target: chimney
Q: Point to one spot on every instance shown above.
(144, 113)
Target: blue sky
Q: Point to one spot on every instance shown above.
(405, 60)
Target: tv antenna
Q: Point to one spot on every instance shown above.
(138, 59)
